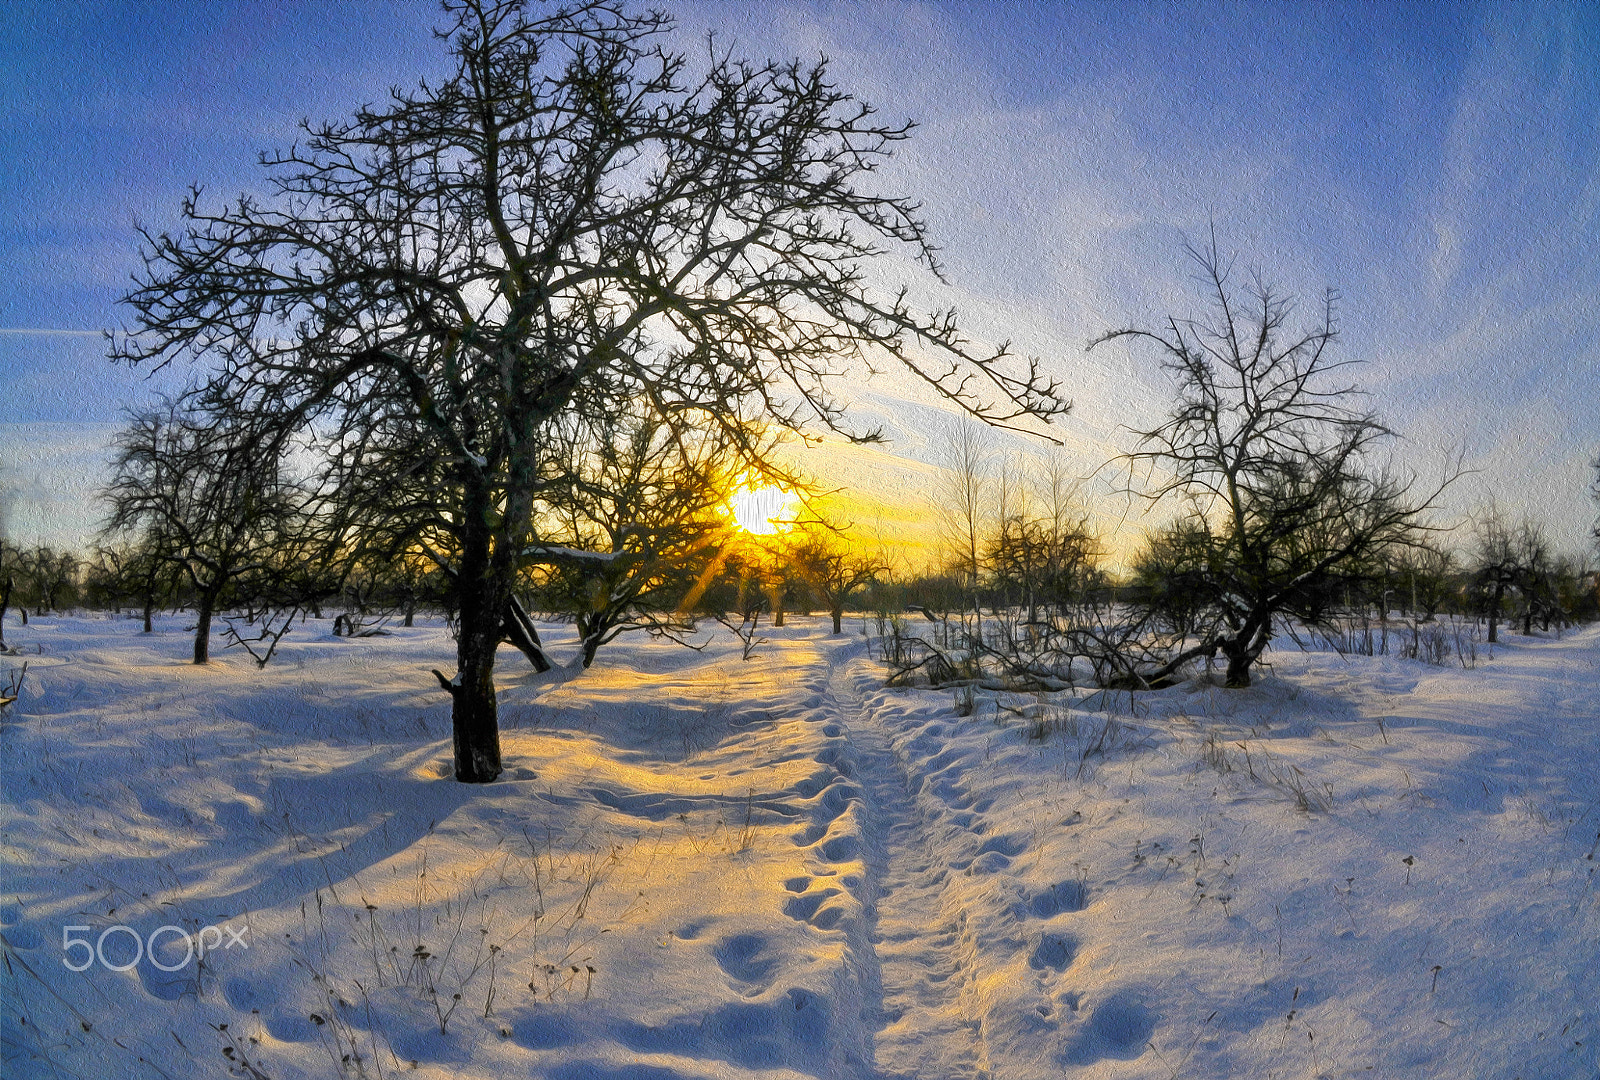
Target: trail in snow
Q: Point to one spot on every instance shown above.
(922, 950)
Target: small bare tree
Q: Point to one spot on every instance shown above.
(964, 508)
(834, 572)
(1514, 560)
(8, 582)
(1594, 493)
(137, 572)
(203, 496)
(638, 525)
(1272, 462)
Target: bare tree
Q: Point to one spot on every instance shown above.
(49, 578)
(571, 215)
(204, 496)
(1428, 575)
(1594, 493)
(1514, 560)
(968, 449)
(637, 528)
(833, 571)
(136, 572)
(8, 582)
(1496, 563)
(1271, 459)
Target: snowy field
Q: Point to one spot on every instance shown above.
(701, 866)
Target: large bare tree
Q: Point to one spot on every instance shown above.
(575, 213)
(1271, 454)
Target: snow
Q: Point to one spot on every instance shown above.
(700, 866)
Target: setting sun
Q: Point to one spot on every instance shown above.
(762, 511)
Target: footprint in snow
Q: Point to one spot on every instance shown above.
(840, 848)
(808, 908)
(1064, 896)
(1054, 951)
(745, 958)
(1118, 1027)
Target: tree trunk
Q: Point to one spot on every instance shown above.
(474, 714)
(1238, 674)
(149, 611)
(838, 613)
(1494, 613)
(1242, 651)
(5, 602)
(520, 631)
(202, 631)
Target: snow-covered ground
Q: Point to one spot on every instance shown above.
(700, 866)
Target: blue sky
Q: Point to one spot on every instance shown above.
(1438, 164)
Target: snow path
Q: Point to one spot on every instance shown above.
(922, 950)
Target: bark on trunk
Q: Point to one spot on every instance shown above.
(1494, 613)
(202, 629)
(1242, 652)
(838, 614)
(149, 612)
(474, 713)
(520, 631)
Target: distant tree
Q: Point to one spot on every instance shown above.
(964, 506)
(638, 526)
(49, 577)
(1014, 560)
(570, 215)
(205, 497)
(1536, 577)
(1427, 575)
(1576, 586)
(1507, 559)
(408, 582)
(1072, 550)
(1272, 460)
(1594, 493)
(834, 572)
(1172, 577)
(8, 582)
(131, 573)
(1040, 562)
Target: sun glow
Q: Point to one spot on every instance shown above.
(762, 511)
